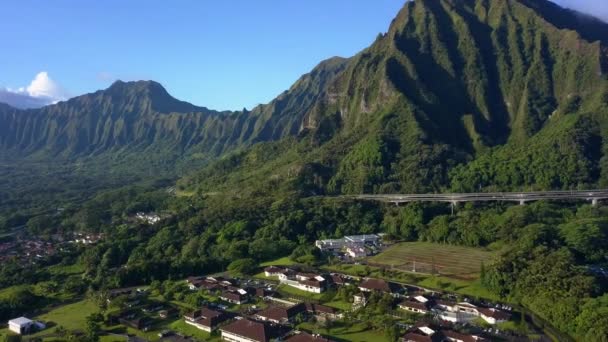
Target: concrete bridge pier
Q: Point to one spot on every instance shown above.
(522, 202)
(594, 201)
(453, 205)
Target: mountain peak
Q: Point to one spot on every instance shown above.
(136, 86)
(148, 93)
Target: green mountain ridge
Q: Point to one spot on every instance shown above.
(132, 117)
(452, 85)
(457, 95)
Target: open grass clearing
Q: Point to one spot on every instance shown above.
(284, 261)
(70, 316)
(297, 293)
(446, 260)
(342, 332)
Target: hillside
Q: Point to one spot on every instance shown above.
(457, 94)
(141, 116)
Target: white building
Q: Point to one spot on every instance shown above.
(331, 244)
(362, 239)
(23, 325)
(335, 245)
(355, 251)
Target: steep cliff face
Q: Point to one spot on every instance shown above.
(141, 116)
(462, 94)
(450, 82)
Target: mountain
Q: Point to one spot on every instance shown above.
(458, 94)
(464, 94)
(135, 117)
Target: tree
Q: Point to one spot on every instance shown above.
(92, 328)
(243, 266)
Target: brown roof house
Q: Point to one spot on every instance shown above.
(323, 312)
(280, 315)
(379, 285)
(235, 297)
(415, 306)
(306, 337)
(245, 330)
(205, 319)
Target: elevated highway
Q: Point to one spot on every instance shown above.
(592, 196)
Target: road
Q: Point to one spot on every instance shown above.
(592, 196)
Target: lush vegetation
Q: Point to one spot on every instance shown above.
(458, 95)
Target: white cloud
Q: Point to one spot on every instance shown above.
(42, 91)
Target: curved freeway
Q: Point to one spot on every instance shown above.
(521, 197)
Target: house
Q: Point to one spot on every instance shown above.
(379, 285)
(466, 312)
(194, 283)
(336, 245)
(316, 285)
(273, 271)
(306, 337)
(141, 323)
(339, 279)
(493, 316)
(356, 251)
(150, 218)
(170, 312)
(453, 336)
(235, 297)
(280, 315)
(363, 239)
(245, 330)
(310, 282)
(414, 306)
(205, 319)
(23, 325)
(322, 312)
(423, 333)
(360, 299)
(330, 245)
(261, 292)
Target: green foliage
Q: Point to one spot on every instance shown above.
(243, 266)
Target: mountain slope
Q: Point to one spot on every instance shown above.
(141, 116)
(482, 84)
(452, 81)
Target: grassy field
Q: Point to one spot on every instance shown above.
(66, 270)
(285, 261)
(355, 333)
(340, 305)
(287, 290)
(70, 316)
(446, 260)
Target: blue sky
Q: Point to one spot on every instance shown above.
(223, 54)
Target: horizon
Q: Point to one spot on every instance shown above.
(225, 79)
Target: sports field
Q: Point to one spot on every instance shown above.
(433, 258)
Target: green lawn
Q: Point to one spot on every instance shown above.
(263, 276)
(447, 260)
(187, 329)
(70, 316)
(66, 269)
(285, 261)
(340, 305)
(469, 288)
(355, 333)
(8, 291)
(287, 290)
